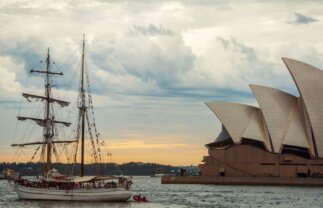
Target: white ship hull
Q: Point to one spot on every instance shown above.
(110, 194)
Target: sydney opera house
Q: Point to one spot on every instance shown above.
(282, 138)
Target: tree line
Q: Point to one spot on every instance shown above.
(131, 168)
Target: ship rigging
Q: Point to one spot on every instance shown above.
(53, 185)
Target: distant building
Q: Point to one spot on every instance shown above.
(281, 138)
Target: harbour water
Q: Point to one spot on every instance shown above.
(188, 196)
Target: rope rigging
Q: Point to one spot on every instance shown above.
(96, 133)
(50, 130)
(94, 153)
(53, 130)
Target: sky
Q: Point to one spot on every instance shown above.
(152, 66)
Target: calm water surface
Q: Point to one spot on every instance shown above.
(189, 196)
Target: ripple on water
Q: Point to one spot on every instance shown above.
(178, 196)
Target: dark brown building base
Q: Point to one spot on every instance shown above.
(251, 165)
(252, 162)
(259, 181)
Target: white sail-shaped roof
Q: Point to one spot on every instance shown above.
(241, 121)
(306, 120)
(282, 115)
(309, 81)
(296, 134)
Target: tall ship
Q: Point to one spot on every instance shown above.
(54, 185)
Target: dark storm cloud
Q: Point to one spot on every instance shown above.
(24, 52)
(160, 67)
(21, 50)
(150, 57)
(165, 67)
(146, 63)
(210, 93)
(31, 59)
(302, 19)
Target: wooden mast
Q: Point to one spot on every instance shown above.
(48, 121)
(48, 133)
(82, 111)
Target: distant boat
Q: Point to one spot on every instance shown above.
(160, 173)
(53, 185)
(3, 175)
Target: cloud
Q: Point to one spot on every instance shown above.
(158, 65)
(9, 86)
(140, 64)
(302, 19)
(164, 66)
(152, 64)
(149, 57)
(151, 30)
(227, 68)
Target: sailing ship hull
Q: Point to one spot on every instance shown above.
(111, 194)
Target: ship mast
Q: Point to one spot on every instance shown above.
(48, 121)
(49, 125)
(82, 111)
(86, 116)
